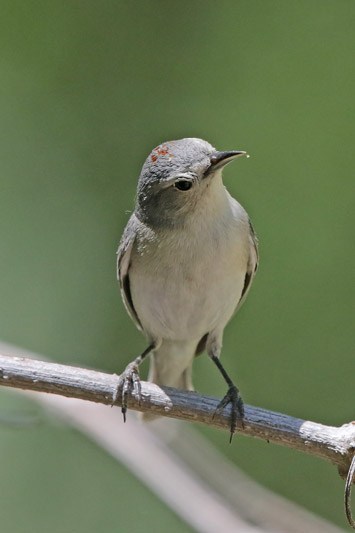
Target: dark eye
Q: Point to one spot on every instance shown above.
(183, 185)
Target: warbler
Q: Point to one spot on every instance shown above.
(186, 261)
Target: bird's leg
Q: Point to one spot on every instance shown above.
(129, 379)
(231, 397)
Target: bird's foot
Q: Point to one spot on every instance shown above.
(128, 382)
(237, 408)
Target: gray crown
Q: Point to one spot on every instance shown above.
(188, 154)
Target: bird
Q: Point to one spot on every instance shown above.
(185, 263)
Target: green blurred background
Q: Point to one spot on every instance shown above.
(87, 90)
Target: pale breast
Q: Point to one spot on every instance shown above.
(187, 283)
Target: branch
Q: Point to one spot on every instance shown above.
(335, 444)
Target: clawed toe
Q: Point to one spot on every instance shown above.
(237, 408)
(128, 382)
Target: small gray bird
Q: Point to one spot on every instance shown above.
(185, 263)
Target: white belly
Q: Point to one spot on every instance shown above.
(186, 285)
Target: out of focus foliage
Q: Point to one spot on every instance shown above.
(87, 89)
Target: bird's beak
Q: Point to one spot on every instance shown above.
(220, 159)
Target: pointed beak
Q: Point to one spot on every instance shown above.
(220, 159)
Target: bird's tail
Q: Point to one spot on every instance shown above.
(171, 365)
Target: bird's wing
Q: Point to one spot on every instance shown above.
(123, 265)
(252, 264)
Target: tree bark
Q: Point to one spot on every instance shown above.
(335, 444)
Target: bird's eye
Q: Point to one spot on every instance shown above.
(183, 185)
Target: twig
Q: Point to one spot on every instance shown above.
(347, 495)
(186, 472)
(183, 458)
(335, 444)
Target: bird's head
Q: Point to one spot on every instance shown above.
(175, 179)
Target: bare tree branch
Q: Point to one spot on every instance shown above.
(186, 462)
(186, 472)
(335, 444)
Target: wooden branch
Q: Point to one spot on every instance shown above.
(335, 444)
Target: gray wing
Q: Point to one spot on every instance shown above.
(123, 266)
(252, 265)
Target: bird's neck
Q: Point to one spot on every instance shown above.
(214, 201)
